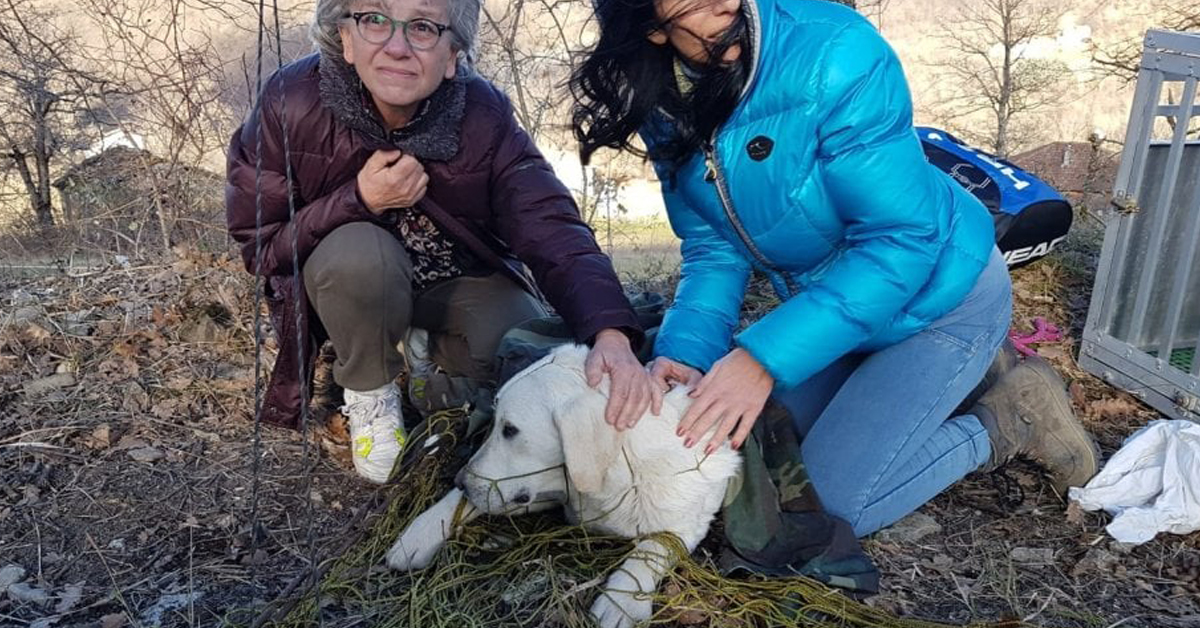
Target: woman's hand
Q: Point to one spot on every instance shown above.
(629, 391)
(664, 373)
(731, 395)
(390, 180)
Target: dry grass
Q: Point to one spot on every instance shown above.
(127, 478)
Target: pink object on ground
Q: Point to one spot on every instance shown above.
(1043, 331)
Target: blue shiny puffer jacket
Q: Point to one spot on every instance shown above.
(819, 180)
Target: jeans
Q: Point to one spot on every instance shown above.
(878, 438)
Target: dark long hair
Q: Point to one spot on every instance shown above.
(625, 77)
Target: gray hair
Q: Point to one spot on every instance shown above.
(464, 26)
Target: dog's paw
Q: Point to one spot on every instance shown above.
(405, 556)
(415, 547)
(621, 604)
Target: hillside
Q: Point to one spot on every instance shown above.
(1087, 102)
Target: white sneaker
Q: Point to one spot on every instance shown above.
(376, 430)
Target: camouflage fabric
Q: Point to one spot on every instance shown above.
(774, 523)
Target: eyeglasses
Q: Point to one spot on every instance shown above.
(377, 28)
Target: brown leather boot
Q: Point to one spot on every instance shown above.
(1006, 358)
(1027, 413)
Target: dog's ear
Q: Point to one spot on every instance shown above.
(573, 358)
(590, 445)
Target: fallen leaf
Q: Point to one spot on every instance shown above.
(125, 348)
(129, 441)
(11, 574)
(154, 339)
(115, 620)
(1075, 514)
(100, 438)
(1096, 561)
(339, 429)
(1032, 555)
(1078, 394)
(165, 409)
(118, 370)
(1113, 407)
(1158, 604)
(58, 381)
(146, 454)
(28, 594)
(179, 383)
(1053, 352)
(134, 398)
(37, 333)
(26, 314)
(69, 598)
(200, 330)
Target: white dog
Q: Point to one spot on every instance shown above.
(632, 483)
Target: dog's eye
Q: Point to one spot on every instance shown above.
(509, 430)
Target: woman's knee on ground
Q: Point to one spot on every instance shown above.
(840, 480)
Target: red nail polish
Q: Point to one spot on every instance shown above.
(688, 443)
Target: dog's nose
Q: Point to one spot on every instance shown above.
(522, 498)
(460, 480)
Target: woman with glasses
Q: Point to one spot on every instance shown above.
(782, 133)
(415, 202)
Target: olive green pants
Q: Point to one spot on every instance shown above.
(359, 282)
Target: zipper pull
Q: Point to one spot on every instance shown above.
(710, 173)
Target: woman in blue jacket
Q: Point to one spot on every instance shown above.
(782, 133)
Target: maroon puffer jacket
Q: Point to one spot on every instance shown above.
(496, 196)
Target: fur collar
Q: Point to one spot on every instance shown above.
(433, 134)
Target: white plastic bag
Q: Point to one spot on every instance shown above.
(1151, 485)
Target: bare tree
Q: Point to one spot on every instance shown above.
(170, 77)
(41, 97)
(1120, 59)
(874, 9)
(988, 67)
(525, 46)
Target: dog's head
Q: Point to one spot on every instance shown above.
(549, 427)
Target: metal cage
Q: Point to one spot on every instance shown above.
(1143, 326)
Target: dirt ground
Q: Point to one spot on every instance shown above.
(135, 492)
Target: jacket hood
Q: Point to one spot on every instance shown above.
(754, 10)
(433, 134)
